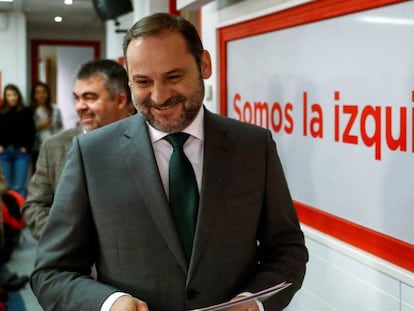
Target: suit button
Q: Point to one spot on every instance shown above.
(192, 294)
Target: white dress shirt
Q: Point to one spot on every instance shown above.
(193, 148)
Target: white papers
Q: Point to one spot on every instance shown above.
(260, 296)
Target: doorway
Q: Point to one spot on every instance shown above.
(55, 62)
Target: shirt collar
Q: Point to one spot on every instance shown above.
(195, 129)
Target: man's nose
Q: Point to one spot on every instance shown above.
(80, 105)
(160, 93)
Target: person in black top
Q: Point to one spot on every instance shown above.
(17, 134)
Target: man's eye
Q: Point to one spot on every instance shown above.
(90, 97)
(174, 77)
(141, 83)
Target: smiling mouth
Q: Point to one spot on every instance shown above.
(86, 118)
(165, 107)
(170, 103)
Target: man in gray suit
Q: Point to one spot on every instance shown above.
(112, 203)
(102, 96)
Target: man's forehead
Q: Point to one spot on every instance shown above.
(95, 78)
(166, 39)
(83, 89)
(92, 81)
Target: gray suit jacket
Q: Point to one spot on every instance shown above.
(111, 208)
(43, 183)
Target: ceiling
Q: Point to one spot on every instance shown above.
(41, 13)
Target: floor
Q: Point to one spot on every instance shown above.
(21, 262)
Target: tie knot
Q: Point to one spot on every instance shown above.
(177, 140)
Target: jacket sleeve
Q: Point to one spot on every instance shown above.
(282, 251)
(61, 279)
(40, 195)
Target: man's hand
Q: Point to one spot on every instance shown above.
(248, 306)
(128, 303)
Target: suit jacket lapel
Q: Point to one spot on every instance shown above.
(74, 132)
(138, 151)
(216, 154)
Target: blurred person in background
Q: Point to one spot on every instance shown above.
(3, 188)
(47, 116)
(9, 281)
(102, 96)
(17, 135)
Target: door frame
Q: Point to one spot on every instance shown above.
(36, 43)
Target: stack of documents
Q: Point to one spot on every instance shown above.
(259, 296)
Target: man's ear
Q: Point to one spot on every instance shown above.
(122, 100)
(206, 65)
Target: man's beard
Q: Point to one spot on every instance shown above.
(190, 109)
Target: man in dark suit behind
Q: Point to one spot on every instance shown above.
(102, 96)
(112, 203)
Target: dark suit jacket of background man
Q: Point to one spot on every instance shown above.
(42, 186)
(119, 216)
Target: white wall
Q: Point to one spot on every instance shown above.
(92, 34)
(13, 64)
(113, 49)
(141, 8)
(339, 276)
(213, 18)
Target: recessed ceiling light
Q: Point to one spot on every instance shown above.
(6, 0)
(58, 19)
(68, 2)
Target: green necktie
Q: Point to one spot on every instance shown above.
(183, 192)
